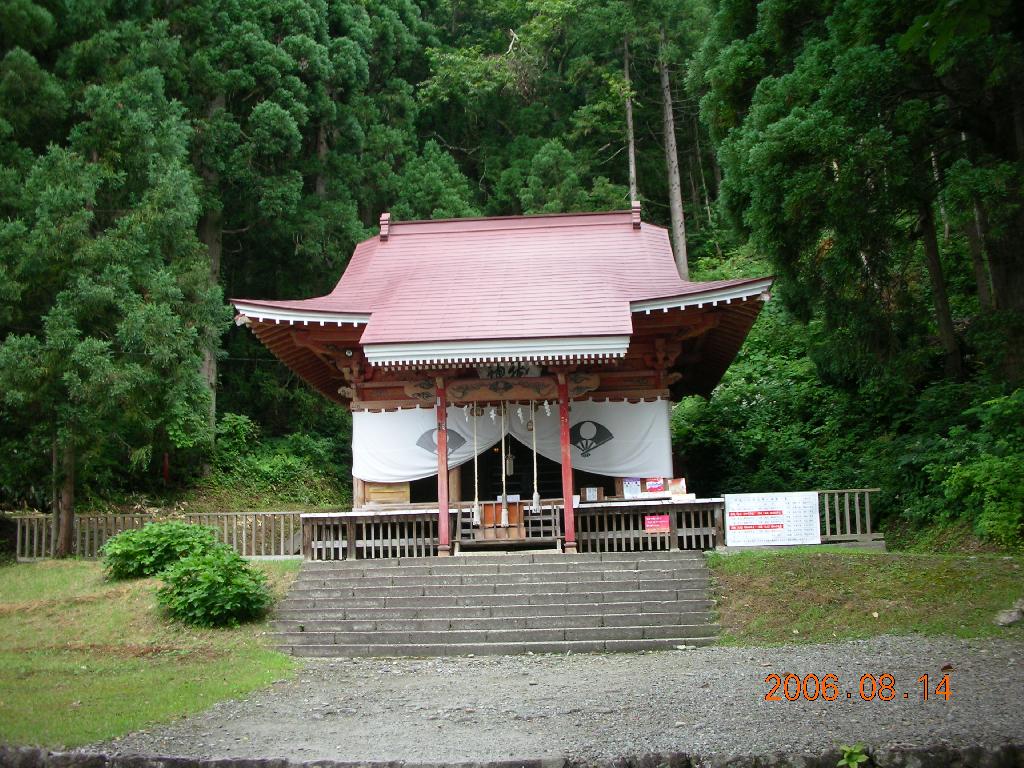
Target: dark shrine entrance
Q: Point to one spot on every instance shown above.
(519, 481)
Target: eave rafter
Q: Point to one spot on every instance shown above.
(668, 354)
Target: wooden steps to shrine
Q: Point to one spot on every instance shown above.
(498, 604)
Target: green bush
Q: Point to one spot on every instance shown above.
(214, 589)
(990, 490)
(299, 467)
(987, 484)
(236, 436)
(149, 550)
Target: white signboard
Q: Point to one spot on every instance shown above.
(767, 519)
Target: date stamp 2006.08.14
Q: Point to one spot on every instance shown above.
(790, 686)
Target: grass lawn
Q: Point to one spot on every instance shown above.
(83, 659)
(817, 594)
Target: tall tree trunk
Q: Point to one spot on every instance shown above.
(321, 156)
(975, 236)
(938, 194)
(1006, 266)
(1006, 262)
(943, 316)
(634, 194)
(694, 194)
(54, 494)
(66, 528)
(1017, 97)
(675, 188)
(211, 233)
(703, 179)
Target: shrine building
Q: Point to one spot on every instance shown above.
(511, 381)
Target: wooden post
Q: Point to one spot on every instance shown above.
(66, 528)
(443, 539)
(358, 493)
(307, 539)
(455, 484)
(350, 539)
(563, 420)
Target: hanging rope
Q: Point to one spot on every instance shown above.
(476, 477)
(504, 494)
(536, 487)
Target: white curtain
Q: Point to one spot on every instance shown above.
(391, 447)
(618, 439)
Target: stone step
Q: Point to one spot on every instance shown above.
(532, 598)
(638, 608)
(432, 588)
(485, 636)
(333, 579)
(358, 571)
(542, 621)
(494, 649)
(498, 603)
(509, 558)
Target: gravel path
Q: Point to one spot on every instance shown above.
(708, 701)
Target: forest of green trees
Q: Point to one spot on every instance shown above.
(158, 157)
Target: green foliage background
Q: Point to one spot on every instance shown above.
(157, 158)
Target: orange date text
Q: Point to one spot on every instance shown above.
(792, 687)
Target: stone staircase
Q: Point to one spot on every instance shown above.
(498, 604)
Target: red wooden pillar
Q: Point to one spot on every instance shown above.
(569, 519)
(444, 546)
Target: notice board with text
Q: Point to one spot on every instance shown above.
(769, 519)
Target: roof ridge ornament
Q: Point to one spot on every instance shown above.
(636, 214)
(385, 225)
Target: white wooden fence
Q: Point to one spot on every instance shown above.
(846, 515)
(251, 534)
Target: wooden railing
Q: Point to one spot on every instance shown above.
(251, 534)
(620, 528)
(362, 536)
(545, 525)
(699, 524)
(846, 515)
(255, 534)
(35, 538)
(92, 531)
(526, 526)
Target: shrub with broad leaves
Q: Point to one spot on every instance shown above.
(147, 551)
(214, 589)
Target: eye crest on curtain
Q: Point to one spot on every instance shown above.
(637, 442)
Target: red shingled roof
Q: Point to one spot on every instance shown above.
(520, 277)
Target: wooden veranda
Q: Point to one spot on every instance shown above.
(411, 531)
(619, 526)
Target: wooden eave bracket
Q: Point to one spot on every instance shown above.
(512, 389)
(708, 323)
(665, 354)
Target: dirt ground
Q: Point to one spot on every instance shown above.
(707, 701)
